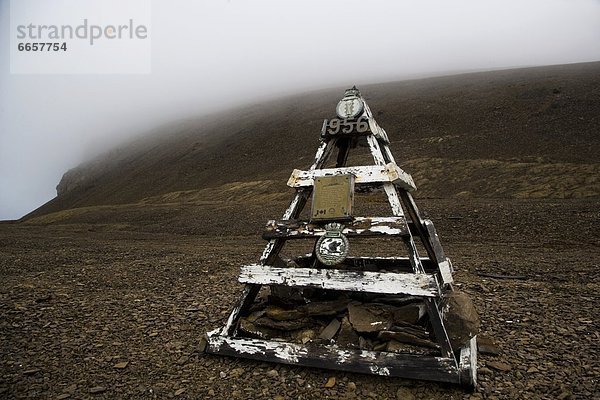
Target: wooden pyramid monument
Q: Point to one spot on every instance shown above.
(330, 271)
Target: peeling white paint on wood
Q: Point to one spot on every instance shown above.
(468, 363)
(424, 285)
(446, 273)
(376, 370)
(375, 150)
(331, 356)
(360, 226)
(365, 174)
(393, 199)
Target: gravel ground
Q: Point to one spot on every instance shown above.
(100, 311)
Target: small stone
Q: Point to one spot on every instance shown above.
(182, 360)
(272, 373)
(364, 321)
(71, 388)
(330, 382)
(63, 396)
(410, 313)
(211, 392)
(279, 397)
(222, 374)
(484, 371)
(281, 314)
(325, 308)
(284, 325)
(404, 394)
(97, 389)
(305, 336)
(347, 337)
(404, 337)
(486, 345)
(351, 386)
(330, 330)
(31, 371)
(179, 391)
(565, 395)
(532, 370)
(300, 382)
(121, 365)
(500, 366)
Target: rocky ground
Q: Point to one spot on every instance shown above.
(117, 310)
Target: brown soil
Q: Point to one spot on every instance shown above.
(77, 299)
(107, 290)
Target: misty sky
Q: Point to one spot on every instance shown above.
(213, 54)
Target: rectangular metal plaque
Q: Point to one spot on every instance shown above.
(333, 198)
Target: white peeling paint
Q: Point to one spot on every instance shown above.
(364, 281)
(380, 370)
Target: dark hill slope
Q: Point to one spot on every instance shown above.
(516, 133)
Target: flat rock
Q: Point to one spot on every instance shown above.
(411, 313)
(97, 389)
(330, 382)
(395, 346)
(499, 366)
(290, 325)
(121, 365)
(486, 345)
(325, 308)
(404, 337)
(347, 336)
(31, 371)
(363, 320)
(330, 330)
(255, 331)
(281, 314)
(305, 336)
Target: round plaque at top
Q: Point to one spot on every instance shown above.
(349, 107)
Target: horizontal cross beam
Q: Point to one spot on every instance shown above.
(424, 285)
(364, 175)
(360, 226)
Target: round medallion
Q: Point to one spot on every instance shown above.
(333, 247)
(349, 107)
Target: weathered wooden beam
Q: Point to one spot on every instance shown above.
(332, 357)
(467, 364)
(364, 174)
(446, 272)
(424, 285)
(377, 262)
(248, 295)
(360, 226)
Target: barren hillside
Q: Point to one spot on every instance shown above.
(524, 133)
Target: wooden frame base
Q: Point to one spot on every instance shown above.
(439, 369)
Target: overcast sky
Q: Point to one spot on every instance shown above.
(213, 54)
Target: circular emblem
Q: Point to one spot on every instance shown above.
(332, 248)
(350, 107)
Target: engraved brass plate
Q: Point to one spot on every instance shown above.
(333, 198)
